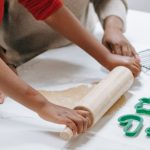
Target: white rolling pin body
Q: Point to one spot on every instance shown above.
(99, 100)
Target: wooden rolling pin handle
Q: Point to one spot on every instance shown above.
(67, 134)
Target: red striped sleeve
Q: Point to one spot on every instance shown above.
(41, 9)
(1, 10)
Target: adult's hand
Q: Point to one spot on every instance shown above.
(115, 40)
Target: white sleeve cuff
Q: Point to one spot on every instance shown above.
(113, 8)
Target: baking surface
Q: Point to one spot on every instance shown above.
(22, 129)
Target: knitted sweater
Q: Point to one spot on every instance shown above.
(24, 37)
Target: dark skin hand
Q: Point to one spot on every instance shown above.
(77, 120)
(114, 39)
(132, 64)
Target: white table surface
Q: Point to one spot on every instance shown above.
(22, 129)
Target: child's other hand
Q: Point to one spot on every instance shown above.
(130, 62)
(77, 120)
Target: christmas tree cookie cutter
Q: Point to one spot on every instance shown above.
(140, 106)
(147, 131)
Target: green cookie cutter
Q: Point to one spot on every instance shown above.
(140, 106)
(127, 120)
(148, 131)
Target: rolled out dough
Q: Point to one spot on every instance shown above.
(70, 97)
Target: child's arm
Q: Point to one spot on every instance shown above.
(64, 22)
(14, 87)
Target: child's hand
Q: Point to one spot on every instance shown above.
(77, 120)
(130, 62)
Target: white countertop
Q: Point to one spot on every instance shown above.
(22, 129)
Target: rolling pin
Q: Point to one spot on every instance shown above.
(101, 98)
